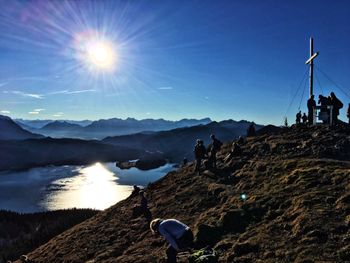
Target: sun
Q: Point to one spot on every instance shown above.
(101, 54)
(97, 54)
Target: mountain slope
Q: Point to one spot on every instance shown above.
(61, 125)
(178, 143)
(40, 152)
(297, 206)
(9, 130)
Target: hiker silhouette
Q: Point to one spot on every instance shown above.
(337, 105)
(200, 153)
(298, 118)
(348, 113)
(136, 191)
(184, 161)
(178, 235)
(251, 130)
(236, 150)
(215, 147)
(304, 118)
(311, 104)
(143, 208)
(324, 102)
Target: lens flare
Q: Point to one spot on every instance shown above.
(101, 55)
(243, 197)
(95, 53)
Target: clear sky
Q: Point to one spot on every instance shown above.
(234, 59)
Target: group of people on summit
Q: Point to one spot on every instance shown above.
(329, 109)
(209, 155)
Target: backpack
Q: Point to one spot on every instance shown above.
(204, 255)
(199, 151)
(217, 145)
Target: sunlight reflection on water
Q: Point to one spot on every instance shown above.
(60, 187)
(94, 187)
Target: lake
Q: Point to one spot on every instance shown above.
(96, 186)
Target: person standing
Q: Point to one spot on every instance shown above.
(215, 147)
(324, 103)
(337, 105)
(311, 104)
(304, 118)
(348, 113)
(199, 154)
(251, 130)
(178, 235)
(298, 118)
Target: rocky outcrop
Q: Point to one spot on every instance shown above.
(285, 199)
(145, 162)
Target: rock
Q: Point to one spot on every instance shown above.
(146, 162)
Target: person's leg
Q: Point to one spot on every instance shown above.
(147, 213)
(187, 239)
(214, 159)
(197, 165)
(171, 254)
(310, 117)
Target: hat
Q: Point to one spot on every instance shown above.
(155, 224)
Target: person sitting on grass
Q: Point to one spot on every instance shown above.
(179, 236)
(143, 208)
(136, 191)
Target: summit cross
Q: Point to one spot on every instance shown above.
(310, 61)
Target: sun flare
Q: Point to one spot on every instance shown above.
(101, 54)
(96, 53)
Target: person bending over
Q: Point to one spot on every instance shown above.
(179, 236)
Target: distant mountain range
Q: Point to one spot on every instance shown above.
(179, 143)
(37, 124)
(9, 130)
(103, 128)
(17, 144)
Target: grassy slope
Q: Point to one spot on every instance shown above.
(298, 207)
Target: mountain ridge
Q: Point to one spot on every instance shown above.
(107, 127)
(9, 130)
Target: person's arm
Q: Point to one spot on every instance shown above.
(168, 237)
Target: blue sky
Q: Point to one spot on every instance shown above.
(174, 59)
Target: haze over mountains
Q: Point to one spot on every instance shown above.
(171, 144)
(105, 127)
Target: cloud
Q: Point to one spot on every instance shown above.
(58, 114)
(148, 113)
(24, 94)
(165, 88)
(35, 111)
(3, 84)
(72, 91)
(5, 111)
